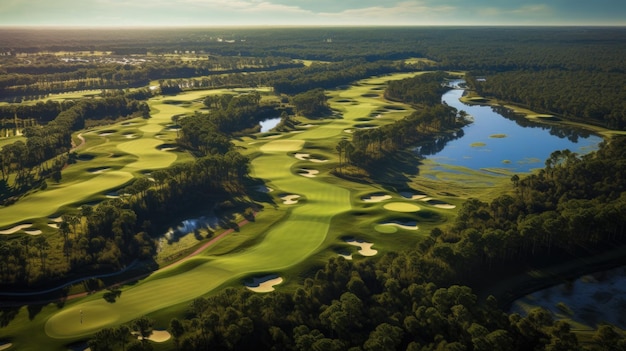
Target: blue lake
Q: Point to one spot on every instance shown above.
(497, 142)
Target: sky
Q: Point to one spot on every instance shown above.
(208, 13)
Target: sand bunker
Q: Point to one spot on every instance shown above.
(130, 136)
(403, 225)
(156, 336)
(401, 207)
(411, 196)
(376, 198)
(290, 199)
(349, 131)
(105, 134)
(309, 173)
(438, 203)
(366, 248)
(33, 232)
(5, 346)
(53, 225)
(307, 157)
(445, 206)
(302, 157)
(264, 284)
(16, 228)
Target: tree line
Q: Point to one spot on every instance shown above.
(26, 165)
(596, 97)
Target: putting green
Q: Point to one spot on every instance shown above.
(386, 229)
(401, 207)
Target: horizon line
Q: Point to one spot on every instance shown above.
(231, 26)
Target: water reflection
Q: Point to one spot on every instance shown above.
(499, 138)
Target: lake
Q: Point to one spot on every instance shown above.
(498, 139)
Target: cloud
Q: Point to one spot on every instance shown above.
(526, 10)
(408, 12)
(309, 12)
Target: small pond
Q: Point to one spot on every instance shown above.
(499, 139)
(269, 124)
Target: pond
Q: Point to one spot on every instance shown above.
(499, 139)
(269, 124)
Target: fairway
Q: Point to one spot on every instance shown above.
(136, 140)
(291, 241)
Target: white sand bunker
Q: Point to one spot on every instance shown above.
(156, 336)
(349, 131)
(411, 196)
(5, 346)
(16, 229)
(309, 173)
(307, 157)
(53, 225)
(33, 232)
(264, 284)
(401, 207)
(438, 203)
(290, 199)
(105, 134)
(376, 198)
(403, 225)
(445, 206)
(130, 136)
(366, 248)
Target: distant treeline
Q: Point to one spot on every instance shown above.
(594, 97)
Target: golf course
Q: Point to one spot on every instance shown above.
(311, 205)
